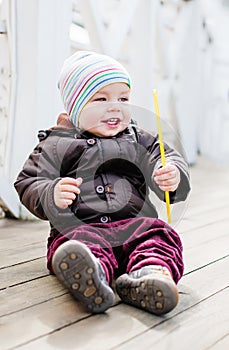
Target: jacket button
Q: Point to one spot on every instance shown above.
(91, 142)
(42, 134)
(108, 188)
(99, 189)
(104, 219)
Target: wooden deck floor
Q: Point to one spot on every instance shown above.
(37, 313)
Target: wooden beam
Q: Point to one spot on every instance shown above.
(118, 28)
(92, 19)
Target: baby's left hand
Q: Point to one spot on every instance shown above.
(167, 177)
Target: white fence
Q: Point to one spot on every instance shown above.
(178, 47)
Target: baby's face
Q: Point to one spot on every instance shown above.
(108, 112)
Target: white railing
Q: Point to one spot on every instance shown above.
(178, 47)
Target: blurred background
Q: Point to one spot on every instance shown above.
(178, 47)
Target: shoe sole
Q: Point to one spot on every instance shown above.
(76, 267)
(157, 295)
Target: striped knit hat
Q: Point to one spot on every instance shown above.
(85, 73)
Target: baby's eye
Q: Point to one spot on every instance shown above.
(99, 99)
(123, 99)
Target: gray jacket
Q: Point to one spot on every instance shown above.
(117, 175)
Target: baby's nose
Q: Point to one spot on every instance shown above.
(113, 106)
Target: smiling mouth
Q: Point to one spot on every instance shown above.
(112, 121)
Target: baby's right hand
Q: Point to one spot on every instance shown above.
(65, 191)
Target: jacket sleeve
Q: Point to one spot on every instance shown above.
(151, 161)
(35, 183)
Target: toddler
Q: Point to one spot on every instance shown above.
(90, 176)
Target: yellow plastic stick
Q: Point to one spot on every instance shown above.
(162, 151)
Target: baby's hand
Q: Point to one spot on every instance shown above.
(65, 191)
(167, 177)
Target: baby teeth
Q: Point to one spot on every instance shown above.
(112, 121)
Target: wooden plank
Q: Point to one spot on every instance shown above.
(221, 344)
(206, 201)
(201, 245)
(22, 242)
(38, 320)
(20, 230)
(196, 258)
(54, 324)
(199, 327)
(17, 255)
(39, 313)
(205, 245)
(25, 295)
(199, 220)
(22, 273)
(205, 205)
(193, 247)
(207, 233)
(201, 205)
(205, 166)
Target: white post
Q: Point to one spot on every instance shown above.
(214, 141)
(37, 44)
(142, 62)
(188, 77)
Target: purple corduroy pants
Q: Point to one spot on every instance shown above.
(126, 245)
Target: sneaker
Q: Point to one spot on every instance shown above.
(79, 270)
(150, 288)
